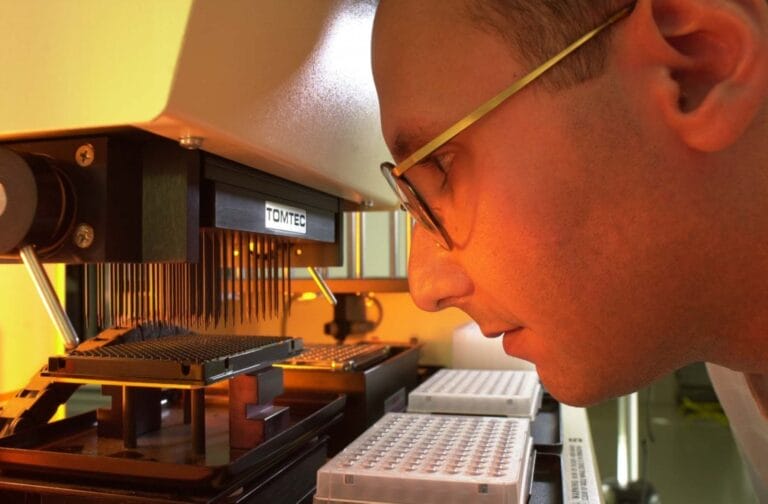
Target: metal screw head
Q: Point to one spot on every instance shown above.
(3, 199)
(84, 235)
(191, 142)
(85, 155)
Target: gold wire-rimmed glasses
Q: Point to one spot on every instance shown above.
(409, 198)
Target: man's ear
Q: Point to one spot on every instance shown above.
(706, 65)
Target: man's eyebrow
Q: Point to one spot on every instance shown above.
(407, 142)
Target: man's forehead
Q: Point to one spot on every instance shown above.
(432, 65)
(414, 32)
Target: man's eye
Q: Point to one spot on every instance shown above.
(442, 164)
(430, 177)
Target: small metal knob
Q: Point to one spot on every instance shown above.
(84, 236)
(85, 155)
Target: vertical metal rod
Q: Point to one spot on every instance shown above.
(275, 272)
(115, 290)
(286, 257)
(223, 268)
(359, 240)
(272, 277)
(48, 296)
(117, 300)
(178, 286)
(194, 280)
(254, 277)
(138, 291)
(100, 295)
(120, 278)
(116, 268)
(288, 253)
(149, 314)
(106, 302)
(142, 292)
(163, 291)
(190, 273)
(267, 258)
(198, 284)
(125, 289)
(187, 293)
(179, 297)
(172, 296)
(114, 300)
(134, 290)
(263, 277)
(350, 231)
(227, 265)
(394, 243)
(176, 294)
(267, 275)
(247, 250)
(156, 292)
(197, 399)
(215, 278)
(86, 287)
(231, 272)
(206, 288)
(171, 293)
(125, 281)
(634, 436)
(622, 448)
(240, 271)
(129, 291)
(129, 417)
(182, 301)
(147, 292)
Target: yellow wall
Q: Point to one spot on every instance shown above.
(27, 335)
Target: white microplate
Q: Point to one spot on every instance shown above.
(421, 459)
(478, 392)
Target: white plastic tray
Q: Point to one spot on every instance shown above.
(478, 392)
(432, 459)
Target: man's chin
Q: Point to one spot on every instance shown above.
(580, 394)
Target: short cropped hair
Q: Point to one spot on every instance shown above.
(539, 29)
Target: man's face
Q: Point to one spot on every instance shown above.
(569, 233)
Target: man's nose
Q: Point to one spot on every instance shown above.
(435, 278)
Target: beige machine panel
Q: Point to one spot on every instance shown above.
(281, 86)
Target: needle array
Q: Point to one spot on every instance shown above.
(241, 277)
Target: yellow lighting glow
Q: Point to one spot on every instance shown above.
(27, 335)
